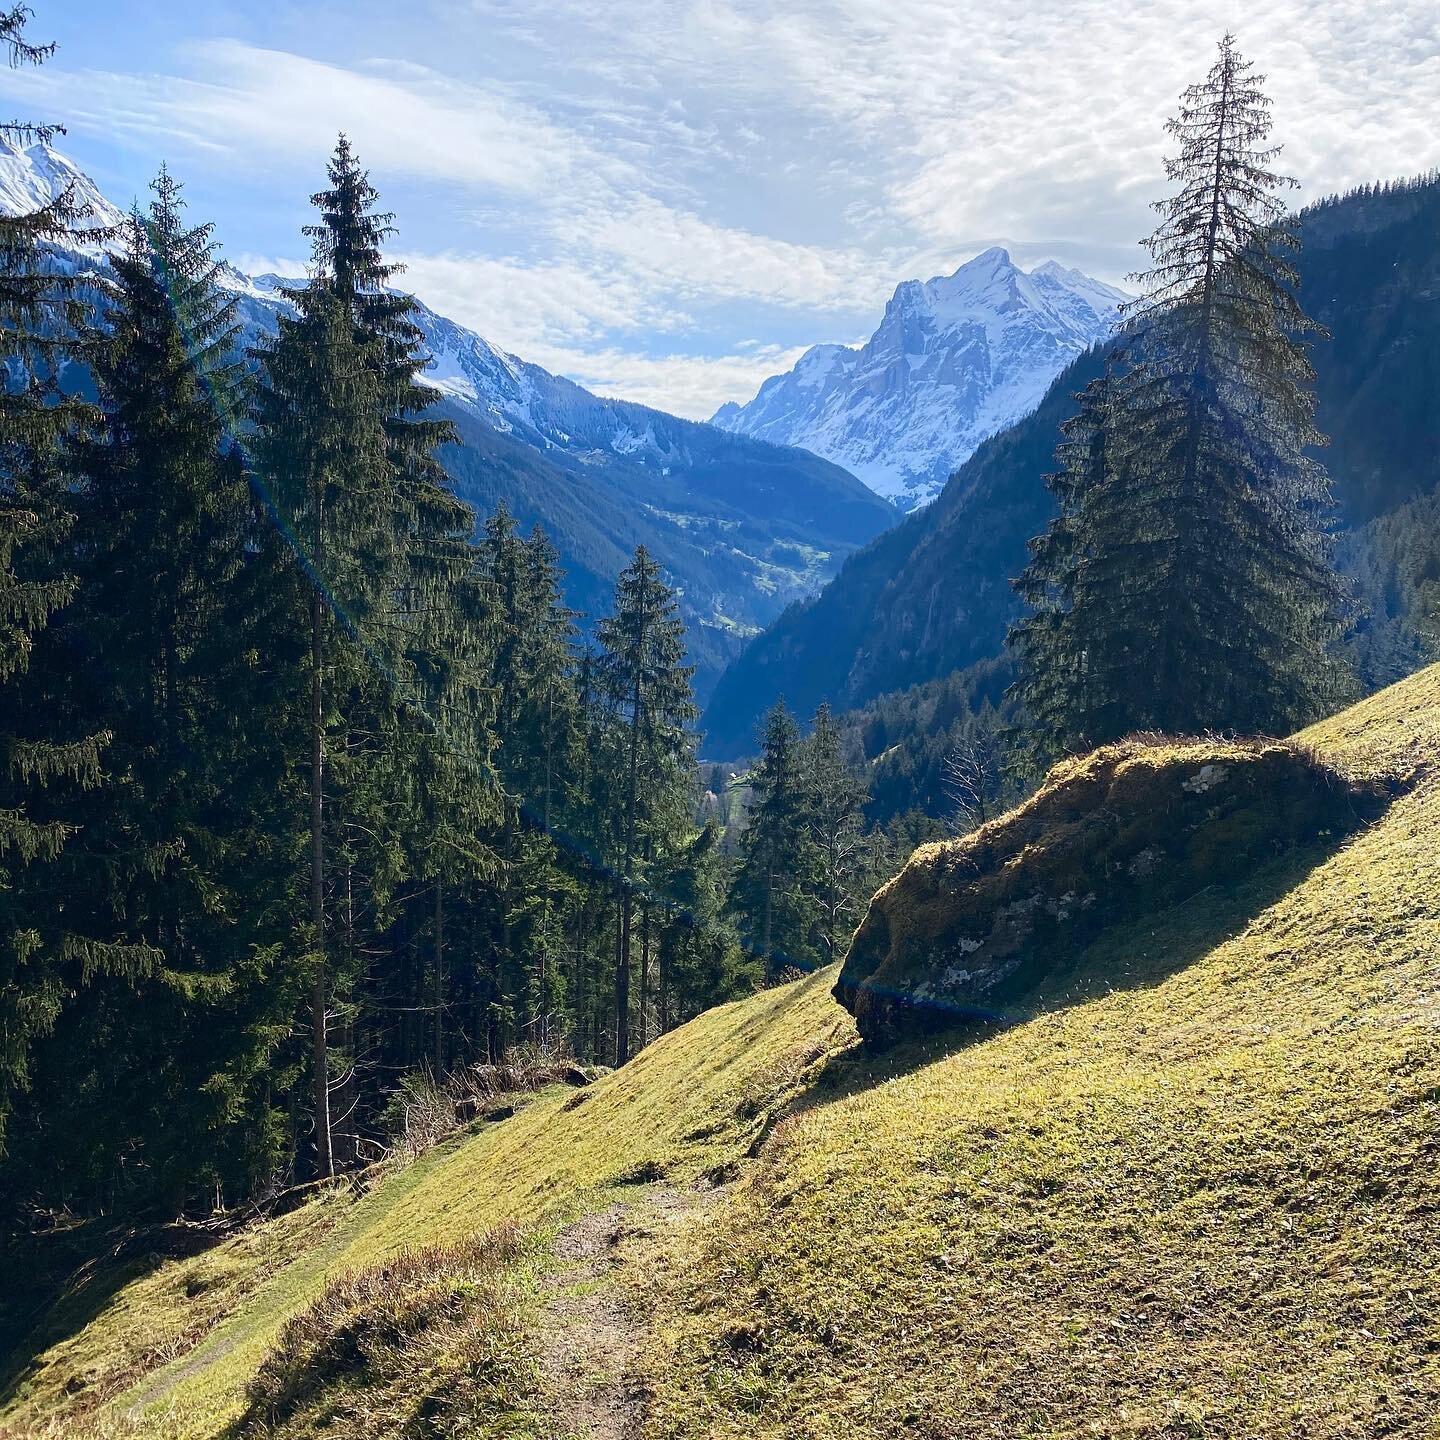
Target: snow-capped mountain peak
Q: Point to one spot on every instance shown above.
(954, 359)
(34, 176)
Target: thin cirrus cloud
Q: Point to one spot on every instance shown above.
(602, 261)
(270, 108)
(693, 256)
(524, 306)
(622, 191)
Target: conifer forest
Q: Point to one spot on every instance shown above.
(899, 909)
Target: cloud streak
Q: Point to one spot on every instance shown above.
(623, 191)
(268, 109)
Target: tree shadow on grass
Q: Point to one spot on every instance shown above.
(59, 1281)
(1138, 952)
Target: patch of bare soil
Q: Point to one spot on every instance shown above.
(590, 1326)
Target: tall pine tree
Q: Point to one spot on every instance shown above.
(644, 678)
(437, 619)
(44, 768)
(175, 857)
(1186, 584)
(775, 880)
(837, 842)
(321, 450)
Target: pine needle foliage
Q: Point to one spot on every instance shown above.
(776, 856)
(644, 679)
(42, 322)
(1187, 583)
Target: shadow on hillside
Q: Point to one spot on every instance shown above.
(59, 1282)
(1137, 953)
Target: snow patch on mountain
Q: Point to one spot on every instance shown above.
(954, 360)
(34, 176)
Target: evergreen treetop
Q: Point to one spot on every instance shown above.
(1186, 584)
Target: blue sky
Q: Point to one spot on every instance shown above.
(669, 199)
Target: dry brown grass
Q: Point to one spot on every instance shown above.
(425, 1343)
(422, 1112)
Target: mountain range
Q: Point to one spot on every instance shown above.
(741, 526)
(933, 596)
(954, 360)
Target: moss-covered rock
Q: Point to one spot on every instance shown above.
(969, 925)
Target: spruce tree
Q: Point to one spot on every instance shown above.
(837, 842)
(774, 883)
(435, 623)
(1075, 646)
(348, 247)
(161, 538)
(551, 725)
(402, 786)
(698, 957)
(538, 729)
(321, 450)
(1186, 584)
(43, 768)
(643, 676)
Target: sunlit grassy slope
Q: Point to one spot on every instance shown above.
(695, 1100)
(1198, 1194)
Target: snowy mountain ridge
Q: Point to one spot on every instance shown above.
(954, 360)
(34, 176)
(505, 391)
(742, 526)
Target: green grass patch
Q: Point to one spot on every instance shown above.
(1197, 1194)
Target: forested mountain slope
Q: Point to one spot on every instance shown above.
(1193, 1189)
(934, 594)
(743, 527)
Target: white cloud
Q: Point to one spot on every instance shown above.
(262, 108)
(560, 317)
(691, 385)
(595, 175)
(691, 256)
(524, 306)
(1041, 121)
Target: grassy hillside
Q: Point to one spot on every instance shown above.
(1196, 1194)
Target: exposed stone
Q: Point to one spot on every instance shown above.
(1207, 777)
(970, 925)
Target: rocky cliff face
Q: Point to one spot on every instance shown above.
(969, 926)
(954, 360)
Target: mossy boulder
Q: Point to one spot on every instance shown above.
(969, 925)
